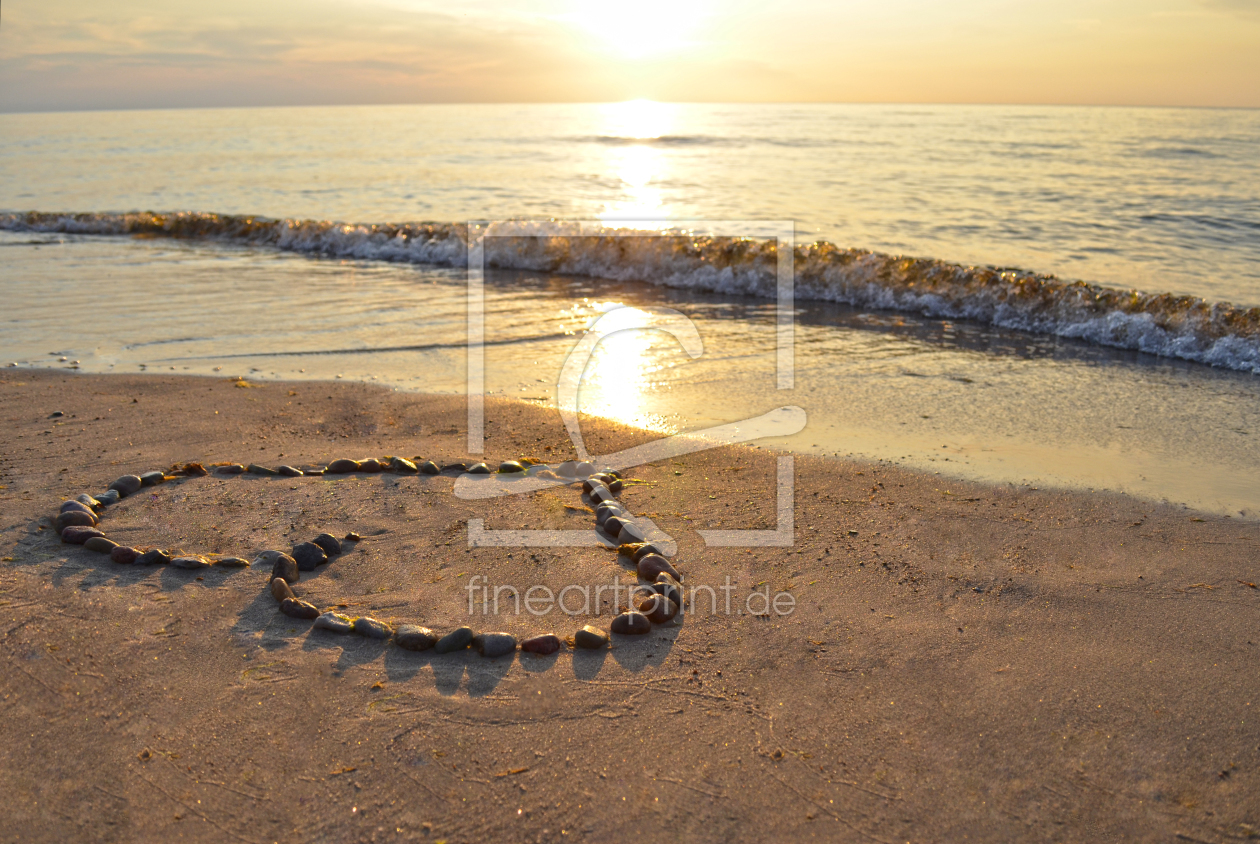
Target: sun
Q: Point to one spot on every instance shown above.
(644, 28)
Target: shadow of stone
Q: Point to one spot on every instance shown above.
(484, 675)
(538, 663)
(635, 653)
(448, 670)
(355, 650)
(402, 664)
(587, 664)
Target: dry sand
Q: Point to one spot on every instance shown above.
(980, 664)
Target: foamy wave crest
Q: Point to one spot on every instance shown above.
(1182, 327)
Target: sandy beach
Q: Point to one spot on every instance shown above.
(961, 663)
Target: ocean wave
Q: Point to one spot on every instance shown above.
(1185, 327)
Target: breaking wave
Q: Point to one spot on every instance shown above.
(1185, 327)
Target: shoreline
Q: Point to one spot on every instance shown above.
(990, 662)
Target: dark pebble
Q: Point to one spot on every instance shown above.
(658, 608)
(88, 501)
(189, 561)
(152, 478)
(645, 549)
(613, 525)
(75, 518)
(456, 640)
(403, 465)
(590, 637)
(342, 466)
(631, 624)
(630, 534)
(413, 637)
(255, 469)
(286, 568)
(309, 555)
(479, 469)
(107, 498)
(544, 645)
(652, 565)
(428, 467)
(232, 562)
(371, 465)
(601, 494)
(280, 589)
(615, 487)
(56, 414)
(494, 644)
(669, 587)
(352, 537)
(67, 506)
(124, 555)
(508, 467)
(590, 483)
(100, 544)
(77, 535)
(372, 629)
(335, 622)
(294, 608)
(567, 469)
(156, 557)
(328, 542)
(584, 469)
(126, 485)
(615, 474)
(289, 471)
(230, 469)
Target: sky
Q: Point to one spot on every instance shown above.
(86, 54)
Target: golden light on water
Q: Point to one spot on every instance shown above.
(638, 166)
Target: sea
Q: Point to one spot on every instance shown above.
(1056, 297)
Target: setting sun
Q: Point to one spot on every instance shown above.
(644, 29)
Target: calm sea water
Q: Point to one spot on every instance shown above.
(1154, 199)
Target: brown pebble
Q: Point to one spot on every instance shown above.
(76, 505)
(230, 469)
(287, 568)
(74, 518)
(155, 557)
(290, 471)
(280, 589)
(657, 608)
(543, 645)
(342, 466)
(124, 555)
(631, 624)
(645, 549)
(100, 545)
(232, 562)
(77, 535)
(190, 561)
(590, 638)
(413, 637)
(294, 608)
(126, 485)
(371, 465)
(352, 537)
(651, 565)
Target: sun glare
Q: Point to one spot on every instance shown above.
(643, 29)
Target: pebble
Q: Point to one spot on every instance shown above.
(479, 469)
(616, 487)
(100, 544)
(289, 471)
(286, 568)
(567, 469)
(336, 622)
(455, 467)
(189, 561)
(371, 465)
(645, 549)
(56, 414)
(255, 469)
(328, 542)
(584, 469)
(75, 518)
(589, 485)
(230, 469)
(428, 467)
(402, 464)
(658, 608)
(543, 645)
(456, 640)
(413, 637)
(66, 506)
(601, 493)
(342, 466)
(508, 467)
(152, 478)
(232, 562)
(79, 534)
(126, 485)
(630, 534)
(494, 644)
(295, 608)
(124, 555)
(372, 628)
(107, 498)
(309, 555)
(652, 565)
(156, 557)
(631, 624)
(87, 500)
(590, 637)
(352, 537)
(613, 525)
(280, 589)
(669, 587)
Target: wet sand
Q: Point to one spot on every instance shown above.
(974, 663)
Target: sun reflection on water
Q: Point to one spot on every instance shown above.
(640, 167)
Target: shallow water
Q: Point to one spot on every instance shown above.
(958, 398)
